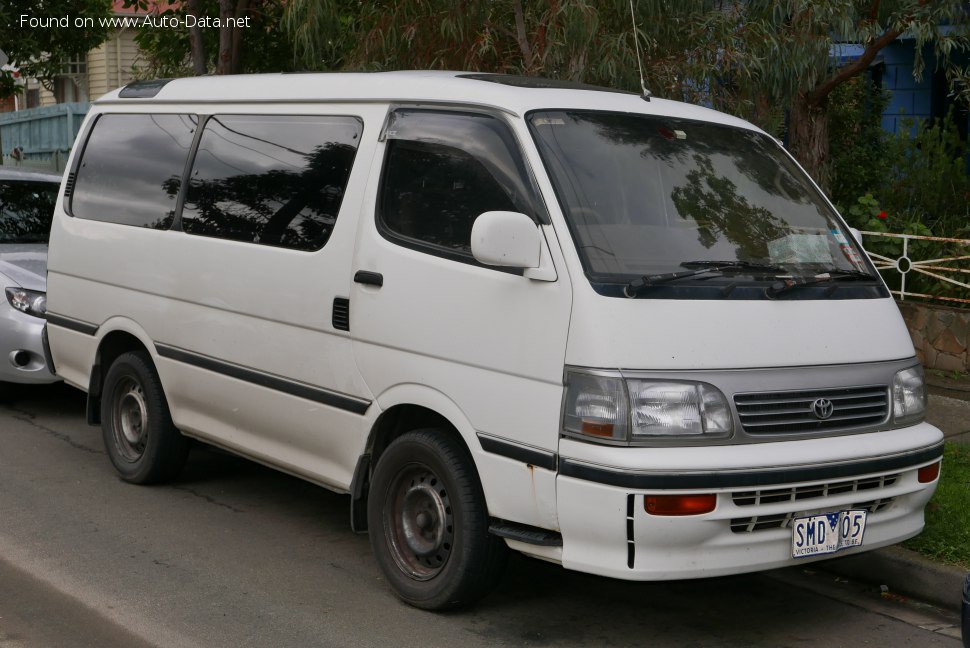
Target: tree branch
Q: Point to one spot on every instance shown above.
(824, 89)
(522, 36)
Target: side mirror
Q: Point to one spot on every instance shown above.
(507, 239)
(857, 235)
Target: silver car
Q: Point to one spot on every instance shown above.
(26, 206)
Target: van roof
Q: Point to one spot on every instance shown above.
(506, 92)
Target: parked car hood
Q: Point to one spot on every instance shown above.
(25, 264)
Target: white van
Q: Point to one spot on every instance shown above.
(626, 335)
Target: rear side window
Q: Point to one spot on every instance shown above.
(131, 169)
(443, 170)
(272, 180)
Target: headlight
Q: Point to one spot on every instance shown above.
(909, 396)
(31, 302)
(625, 410)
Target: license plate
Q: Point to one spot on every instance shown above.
(817, 535)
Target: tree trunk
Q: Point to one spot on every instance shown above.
(242, 9)
(224, 61)
(808, 138)
(196, 46)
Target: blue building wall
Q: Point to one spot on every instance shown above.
(912, 99)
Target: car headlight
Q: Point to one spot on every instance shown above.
(610, 407)
(32, 302)
(909, 396)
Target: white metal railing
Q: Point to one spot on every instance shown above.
(904, 264)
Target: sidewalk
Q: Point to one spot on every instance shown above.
(903, 571)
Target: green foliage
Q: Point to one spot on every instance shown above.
(859, 152)
(40, 52)
(755, 59)
(947, 533)
(262, 47)
(865, 213)
(690, 54)
(929, 176)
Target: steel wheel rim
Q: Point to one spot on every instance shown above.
(419, 523)
(130, 422)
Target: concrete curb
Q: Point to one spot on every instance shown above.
(904, 572)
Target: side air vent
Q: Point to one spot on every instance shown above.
(341, 313)
(69, 185)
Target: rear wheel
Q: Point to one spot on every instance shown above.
(142, 442)
(429, 525)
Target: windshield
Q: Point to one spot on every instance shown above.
(26, 210)
(644, 195)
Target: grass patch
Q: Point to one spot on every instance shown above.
(946, 537)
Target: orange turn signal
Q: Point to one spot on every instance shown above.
(929, 473)
(679, 504)
(597, 429)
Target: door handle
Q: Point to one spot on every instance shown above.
(369, 278)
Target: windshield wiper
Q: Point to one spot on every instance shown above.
(833, 274)
(740, 265)
(633, 288)
(715, 268)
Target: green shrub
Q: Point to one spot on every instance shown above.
(858, 150)
(929, 179)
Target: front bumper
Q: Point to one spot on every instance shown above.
(606, 530)
(22, 333)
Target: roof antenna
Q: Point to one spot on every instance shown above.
(636, 41)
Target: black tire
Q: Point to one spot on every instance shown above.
(428, 522)
(143, 444)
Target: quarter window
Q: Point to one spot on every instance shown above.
(442, 171)
(131, 169)
(273, 180)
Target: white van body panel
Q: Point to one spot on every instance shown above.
(725, 334)
(250, 313)
(499, 475)
(491, 342)
(592, 515)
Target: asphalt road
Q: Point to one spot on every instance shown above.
(235, 554)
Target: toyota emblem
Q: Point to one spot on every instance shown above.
(823, 408)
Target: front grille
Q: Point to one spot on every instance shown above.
(798, 493)
(784, 520)
(793, 412)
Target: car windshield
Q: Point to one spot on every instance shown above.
(645, 195)
(26, 210)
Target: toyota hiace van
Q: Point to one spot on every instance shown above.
(622, 334)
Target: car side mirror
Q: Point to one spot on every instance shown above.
(506, 239)
(857, 235)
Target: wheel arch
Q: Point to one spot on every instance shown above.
(405, 408)
(122, 336)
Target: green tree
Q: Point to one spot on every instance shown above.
(41, 51)
(246, 39)
(788, 45)
(757, 58)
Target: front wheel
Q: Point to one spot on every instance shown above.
(142, 442)
(429, 525)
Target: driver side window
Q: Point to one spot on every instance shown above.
(441, 171)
